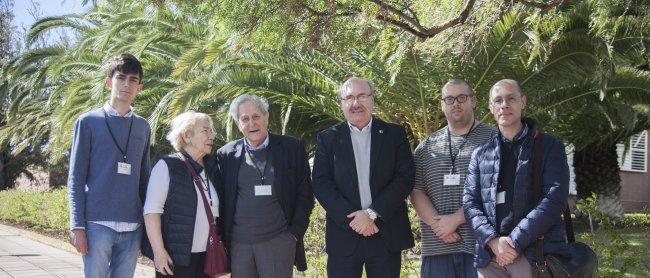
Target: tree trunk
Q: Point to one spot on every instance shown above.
(3, 173)
(58, 175)
(597, 171)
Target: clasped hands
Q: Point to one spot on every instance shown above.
(503, 250)
(445, 226)
(362, 224)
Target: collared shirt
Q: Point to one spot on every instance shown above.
(521, 134)
(261, 146)
(113, 112)
(116, 225)
(361, 147)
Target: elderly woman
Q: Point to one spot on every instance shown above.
(174, 213)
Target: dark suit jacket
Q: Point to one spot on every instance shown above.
(391, 180)
(292, 182)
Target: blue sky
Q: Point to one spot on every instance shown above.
(22, 18)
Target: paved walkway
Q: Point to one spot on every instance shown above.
(22, 256)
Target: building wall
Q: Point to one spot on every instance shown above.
(635, 189)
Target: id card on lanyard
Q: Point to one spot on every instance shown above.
(123, 167)
(262, 189)
(452, 178)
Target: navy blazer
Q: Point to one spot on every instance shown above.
(292, 182)
(391, 180)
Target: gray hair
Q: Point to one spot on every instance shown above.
(348, 83)
(508, 82)
(182, 124)
(457, 82)
(258, 101)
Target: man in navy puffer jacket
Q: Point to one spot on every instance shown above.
(499, 199)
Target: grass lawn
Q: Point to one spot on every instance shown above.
(639, 249)
(641, 237)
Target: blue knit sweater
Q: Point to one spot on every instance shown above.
(96, 191)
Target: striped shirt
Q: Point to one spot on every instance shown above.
(432, 163)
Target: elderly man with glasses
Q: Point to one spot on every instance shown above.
(363, 171)
(267, 195)
(441, 162)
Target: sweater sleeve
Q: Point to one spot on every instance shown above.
(145, 168)
(157, 189)
(78, 173)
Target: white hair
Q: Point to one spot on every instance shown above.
(182, 124)
(258, 101)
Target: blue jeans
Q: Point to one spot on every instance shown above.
(459, 265)
(110, 253)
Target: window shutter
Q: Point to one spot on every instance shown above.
(636, 158)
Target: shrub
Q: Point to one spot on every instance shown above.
(42, 209)
(635, 220)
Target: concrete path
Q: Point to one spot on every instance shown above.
(21, 255)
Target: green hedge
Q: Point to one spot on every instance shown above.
(636, 220)
(47, 210)
(50, 210)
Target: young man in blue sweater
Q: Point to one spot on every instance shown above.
(109, 170)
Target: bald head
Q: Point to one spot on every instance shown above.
(506, 84)
(355, 82)
(457, 83)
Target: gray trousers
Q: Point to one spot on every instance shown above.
(520, 268)
(269, 259)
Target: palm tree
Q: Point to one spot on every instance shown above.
(608, 105)
(190, 64)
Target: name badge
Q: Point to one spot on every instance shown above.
(501, 197)
(263, 190)
(452, 179)
(123, 168)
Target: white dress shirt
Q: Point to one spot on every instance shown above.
(361, 146)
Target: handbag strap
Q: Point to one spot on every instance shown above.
(537, 189)
(568, 226)
(199, 185)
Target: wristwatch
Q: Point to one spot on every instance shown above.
(372, 214)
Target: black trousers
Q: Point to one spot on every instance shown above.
(370, 252)
(194, 270)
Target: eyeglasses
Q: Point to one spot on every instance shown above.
(460, 98)
(359, 98)
(508, 101)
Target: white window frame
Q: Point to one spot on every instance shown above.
(636, 157)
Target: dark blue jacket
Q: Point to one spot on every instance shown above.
(177, 225)
(292, 175)
(533, 218)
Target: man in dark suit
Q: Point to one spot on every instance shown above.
(268, 195)
(363, 172)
